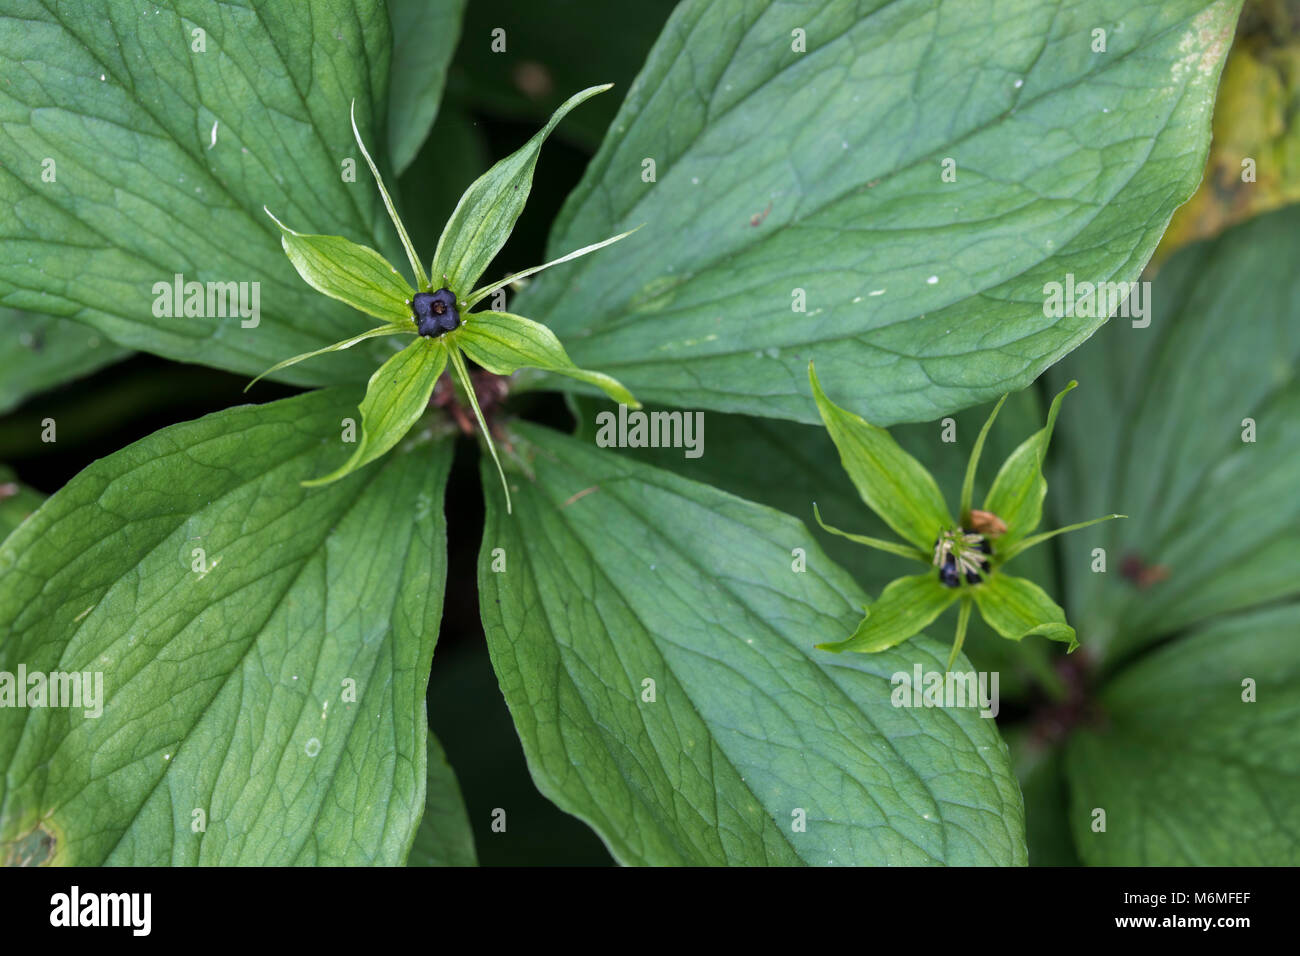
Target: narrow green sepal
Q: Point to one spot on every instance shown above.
(1018, 608)
(504, 343)
(904, 608)
(1019, 488)
(396, 396)
(891, 482)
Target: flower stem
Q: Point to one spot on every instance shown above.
(963, 618)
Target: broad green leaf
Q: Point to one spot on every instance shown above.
(40, 352)
(1018, 608)
(1157, 434)
(164, 157)
(396, 396)
(444, 837)
(905, 607)
(424, 38)
(264, 648)
(616, 573)
(1189, 772)
(921, 295)
(1019, 488)
(350, 273)
(1040, 768)
(893, 484)
(503, 343)
(486, 214)
(17, 501)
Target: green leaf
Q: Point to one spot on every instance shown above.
(40, 352)
(486, 214)
(893, 484)
(1213, 518)
(1188, 772)
(396, 396)
(504, 343)
(922, 296)
(164, 157)
(354, 274)
(615, 573)
(228, 689)
(424, 38)
(1018, 608)
(905, 607)
(444, 837)
(17, 501)
(1019, 489)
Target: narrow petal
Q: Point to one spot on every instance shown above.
(1026, 543)
(421, 279)
(893, 547)
(480, 294)
(392, 329)
(905, 607)
(1019, 488)
(462, 373)
(968, 485)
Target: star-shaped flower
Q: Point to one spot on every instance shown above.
(965, 557)
(438, 313)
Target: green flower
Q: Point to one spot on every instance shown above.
(445, 333)
(965, 557)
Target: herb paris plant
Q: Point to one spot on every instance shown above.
(398, 392)
(903, 493)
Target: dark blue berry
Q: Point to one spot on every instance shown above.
(948, 572)
(435, 312)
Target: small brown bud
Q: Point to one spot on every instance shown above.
(987, 523)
